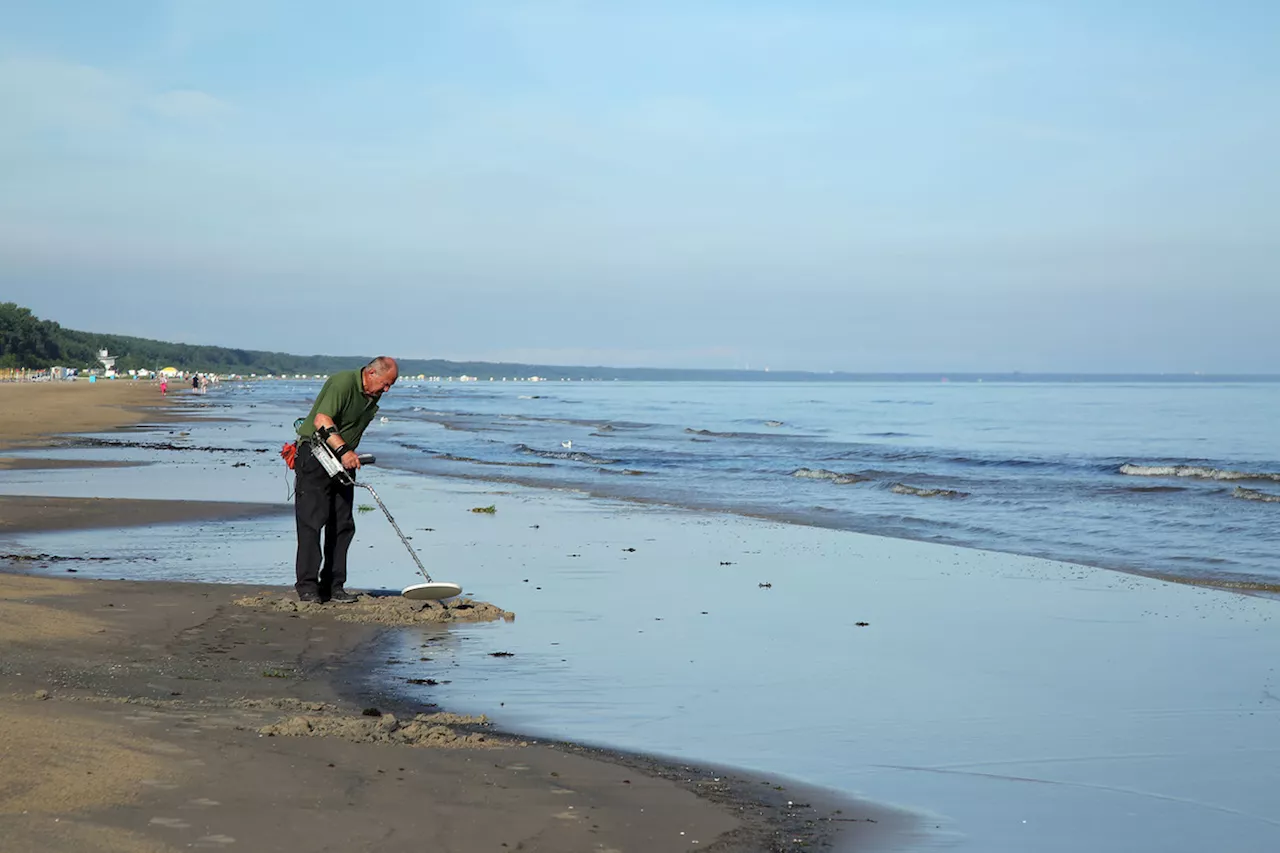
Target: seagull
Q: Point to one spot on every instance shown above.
(566, 444)
(386, 420)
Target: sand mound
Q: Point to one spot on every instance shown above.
(425, 730)
(384, 609)
(280, 704)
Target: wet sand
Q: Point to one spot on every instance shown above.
(163, 716)
(27, 514)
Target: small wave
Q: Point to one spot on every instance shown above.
(764, 435)
(834, 476)
(452, 458)
(546, 420)
(572, 456)
(1254, 495)
(903, 489)
(409, 445)
(1199, 472)
(773, 423)
(1143, 490)
(1005, 463)
(887, 434)
(908, 456)
(629, 472)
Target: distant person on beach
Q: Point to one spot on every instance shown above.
(344, 408)
(164, 386)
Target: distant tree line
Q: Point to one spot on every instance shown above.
(26, 341)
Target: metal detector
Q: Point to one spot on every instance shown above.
(429, 591)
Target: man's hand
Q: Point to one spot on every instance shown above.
(350, 460)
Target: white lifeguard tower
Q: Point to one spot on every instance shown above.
(108, 362)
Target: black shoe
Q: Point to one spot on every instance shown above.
(313, 597)
(341, 596)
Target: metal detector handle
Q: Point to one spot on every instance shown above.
(366, 458)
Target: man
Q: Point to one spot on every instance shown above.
(346, 405)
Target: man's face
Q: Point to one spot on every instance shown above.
(377, 382)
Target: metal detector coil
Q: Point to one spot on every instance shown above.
(431, 590)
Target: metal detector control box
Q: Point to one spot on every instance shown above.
(329, 462)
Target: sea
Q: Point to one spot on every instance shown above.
(1178, 479)
(945, 598)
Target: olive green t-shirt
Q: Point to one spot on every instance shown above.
(342, 398)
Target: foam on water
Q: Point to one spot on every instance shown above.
(1200, 472)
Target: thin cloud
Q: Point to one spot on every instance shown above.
(38, 94)
(189, 105)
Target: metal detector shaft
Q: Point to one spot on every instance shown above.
(324, 455)
(383, 507)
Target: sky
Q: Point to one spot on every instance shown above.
(869, 186)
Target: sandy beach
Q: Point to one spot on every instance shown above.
(30, 412)
(159, 716)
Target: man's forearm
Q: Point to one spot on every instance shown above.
(336, 443)
(335, 438)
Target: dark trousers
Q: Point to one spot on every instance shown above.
(321, 504)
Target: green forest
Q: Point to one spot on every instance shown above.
(26, 341)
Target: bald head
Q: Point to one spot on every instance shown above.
(379, 375)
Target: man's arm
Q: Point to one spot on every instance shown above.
(349, 460)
